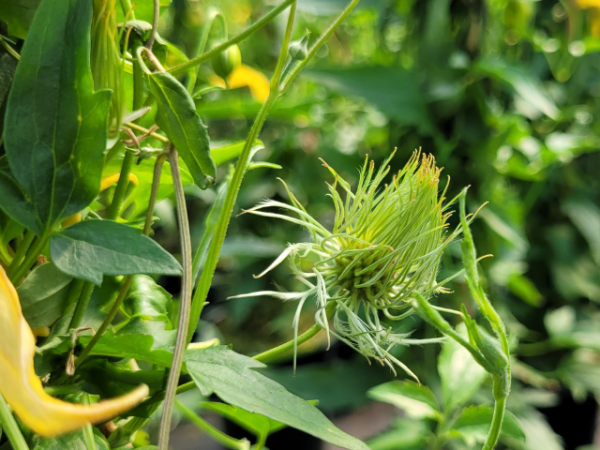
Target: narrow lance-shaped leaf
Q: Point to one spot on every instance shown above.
(56, 125)
(23, 390)
(234, 378)
(177, 117)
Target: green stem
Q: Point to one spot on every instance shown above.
(154, 31)
(82, 304)
(236, 182)
(123, 292)
(177, 70)
(500, 389)
(217, 435)
(126, 7)
(155, 185)
(107, 320)
(290, 77)
(21, 252)
(275, 353)
(114, 210)
(10, 427)
(184, 308)
(30, 259)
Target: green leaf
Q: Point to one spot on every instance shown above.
(147, 300)
(461, 375)
(527, 85)
(405, 435)
(56, 126)
(416, 400)
(18, 15)
(257, 424)
(586, 217)
(393, 90)
(70, 441)
(223, 154)
(143, 340)
(43, 295)
(232, 377)
(93, 248)
(177, 117)
(474, 423)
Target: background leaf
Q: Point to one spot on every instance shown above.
(416, 400)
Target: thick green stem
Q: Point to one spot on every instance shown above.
(30, 259)
(155, 185)
(107, 321)
(21, 252)
(82, 304)
(114, 210)
(236, 182)
(275, 353)
(217, 435)
(177, 70)
(184, 308)
(500, 389)
(10, 427)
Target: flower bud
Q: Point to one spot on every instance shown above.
(226, 61)
(299, 49)
(488, 346)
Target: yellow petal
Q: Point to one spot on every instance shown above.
(112, 179)
(588, 3)
(216, 80)
(23, 390)
(243, 76)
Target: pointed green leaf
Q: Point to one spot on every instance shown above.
(43, 295)
(474, 423)
(177, 117)
(93, 248)
(56, 125)
(233, 378)
(416, 400)
(70, 441)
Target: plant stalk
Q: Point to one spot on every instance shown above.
(500, 395)
(222, 438)
(181, 68)
(21, 252)
(236, 182)
(185, 304)
(82, 304)
(30, 259)
(10, 427)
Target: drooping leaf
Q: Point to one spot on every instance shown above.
(461, 375)
(93, 248)
(586, 217)
(474, 422)
(43, 295)
(56, 125)
(177, 117)
(416, 400)
(234, 378)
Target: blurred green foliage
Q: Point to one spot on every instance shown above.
(504, 93)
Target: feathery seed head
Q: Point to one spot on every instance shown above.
(385, 248)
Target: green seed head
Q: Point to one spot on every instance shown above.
(384, 249)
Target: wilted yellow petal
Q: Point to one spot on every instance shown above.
(41, 332)
(75, 218)
(112, 179)
(258, 83)
(23, 390)
(216, 80)
(588, 3)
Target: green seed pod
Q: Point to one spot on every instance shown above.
(227, 61)
(486, 344)
(299, 49)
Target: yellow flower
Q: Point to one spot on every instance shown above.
(245, 76)
(594, 15)
(23, 390)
